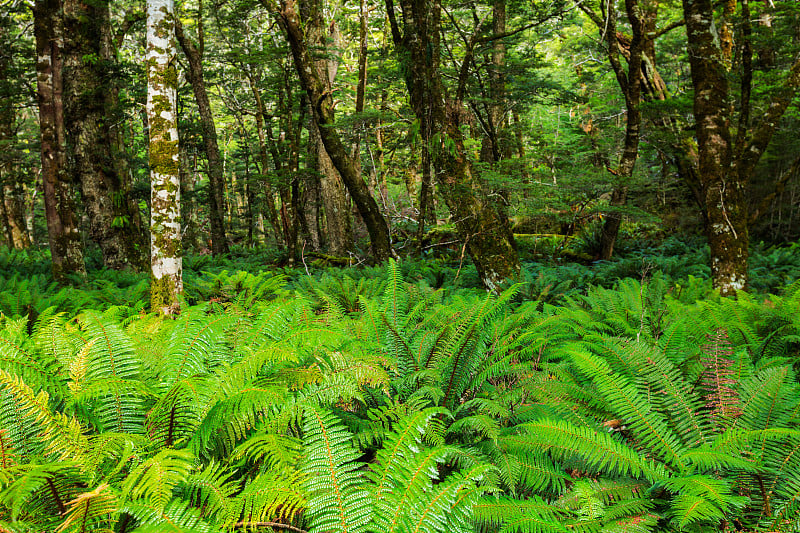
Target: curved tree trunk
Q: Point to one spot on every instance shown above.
(336, 204)
(216, 178)
(484, 230)
(322, 109)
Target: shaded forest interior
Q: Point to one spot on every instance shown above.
(399, 266)
(352, 132)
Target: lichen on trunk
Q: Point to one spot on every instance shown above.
(165, 223)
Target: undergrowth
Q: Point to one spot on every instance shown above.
(394, 398)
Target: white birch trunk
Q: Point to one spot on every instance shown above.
(165, 223)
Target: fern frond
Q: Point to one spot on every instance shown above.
(90, 511)
(717, 381)
(632, 407)
(272, 450)
(194, 343)
(701, 498)
(449, 506)
(271, 496)
(509, 515)
(177, 414)
(155, 479)
(211, 489)
(337, 502)
(18, 355)
(177, 517)
(595, 450)
(60, 435)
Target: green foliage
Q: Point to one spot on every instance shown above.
(380, 404)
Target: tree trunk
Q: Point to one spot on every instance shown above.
(12, 196)
(186, 170)
(723, 192)
(322, 109)
(166, 283)
(494, 146)
(485, 232)
(66, 249)
(641, 19)
(216, 178)
(281, 233)
(338, 226)
(86, 87)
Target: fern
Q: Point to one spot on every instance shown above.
(90, 511)
(336, 500)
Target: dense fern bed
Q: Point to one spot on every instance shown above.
(381, 405)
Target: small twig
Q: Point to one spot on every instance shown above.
(303, 258)
(434, 245)
(461, 259)
(725, 211)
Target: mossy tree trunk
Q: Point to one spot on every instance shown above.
(726, 162)
(216, 178)
(165, 222)
(12, 190)
(114, 221)
(322, 107)
(483, 229)
(324, 39)
(64, 236)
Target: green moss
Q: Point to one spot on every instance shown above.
(163, 294)
(162, 161)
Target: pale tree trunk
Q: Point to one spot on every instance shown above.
(113, 220)
(165, 187)
(216, 178)
(64, 236)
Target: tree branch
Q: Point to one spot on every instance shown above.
(780, 186)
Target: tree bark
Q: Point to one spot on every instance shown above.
(630, 84)
(216, 178)
(322, 110)
(113, 222)
(336, 205)
(166, 283)
(723, 191)
(494, 146)
(12, 195)
(64, 236)
(485, 232)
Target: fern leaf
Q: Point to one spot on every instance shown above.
(632, 407)
(337, 502)
(508, 515)
(89, 511)
(598, 451)
(155, 479)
